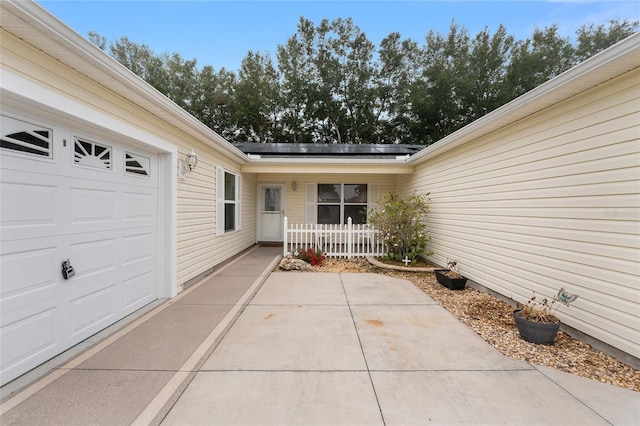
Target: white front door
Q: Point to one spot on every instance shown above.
(271, 212)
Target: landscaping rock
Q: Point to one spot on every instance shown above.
(293, 264)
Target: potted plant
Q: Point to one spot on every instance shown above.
(451, 277)
(536, 320)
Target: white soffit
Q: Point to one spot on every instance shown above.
(328, 166)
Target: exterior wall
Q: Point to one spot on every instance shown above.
(295, 200)
(199, 248)
(549, 202)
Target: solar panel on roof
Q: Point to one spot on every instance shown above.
(292, 149)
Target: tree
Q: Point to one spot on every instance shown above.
(536, 60)
(331, 84)
(214, 101)
(179, 80)
(354, 52)
(592, 39)
(295, 67)
(397, 68)
(332, 64)
(257, 107)
(140, 60)
(482, 82)
(436, 98)
(98, 40)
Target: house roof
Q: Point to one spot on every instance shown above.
(297, 150)
(33, 24)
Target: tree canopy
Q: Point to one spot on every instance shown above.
(330, 84)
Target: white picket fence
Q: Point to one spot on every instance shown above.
(335, 240)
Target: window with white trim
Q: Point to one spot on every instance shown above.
(228, 188)
(229, 202)
(338, 202)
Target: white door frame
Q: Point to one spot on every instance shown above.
(260, 203)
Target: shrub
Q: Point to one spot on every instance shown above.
(311, 256)
(402, 223)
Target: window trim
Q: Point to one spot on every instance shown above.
(222, 202)
(312, 202)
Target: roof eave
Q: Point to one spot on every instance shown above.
(322, 165)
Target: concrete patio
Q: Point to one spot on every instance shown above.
(250, 347)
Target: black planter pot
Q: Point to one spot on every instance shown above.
(536, 332)
(450, 283)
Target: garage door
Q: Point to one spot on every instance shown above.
(70, 196)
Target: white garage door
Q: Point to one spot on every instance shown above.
(70, 196)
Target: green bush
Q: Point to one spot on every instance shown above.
(402, 222)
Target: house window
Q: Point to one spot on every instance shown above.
(229, 202)
(228, 196)
(338, 202)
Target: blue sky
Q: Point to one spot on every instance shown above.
(220, 33)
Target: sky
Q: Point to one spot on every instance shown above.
(221, 32)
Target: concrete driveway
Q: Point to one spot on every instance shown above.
(246, 346)
(367, 349)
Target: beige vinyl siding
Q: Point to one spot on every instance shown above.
(198, 248)
(551, 201)
(295, 200)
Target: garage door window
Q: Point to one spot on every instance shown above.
(20, 136)
(91, 154)
(136, 165)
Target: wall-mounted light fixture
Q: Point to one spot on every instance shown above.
(294, 186)
(191, 160)
(187, 165)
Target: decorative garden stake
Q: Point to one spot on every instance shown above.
(536, 321)
(406, 261)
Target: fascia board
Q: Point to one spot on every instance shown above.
(606, 65)
(42, 21)
(328, 165)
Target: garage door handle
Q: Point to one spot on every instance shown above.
(67, 270)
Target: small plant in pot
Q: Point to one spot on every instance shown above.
(451, 277)
(536, 321)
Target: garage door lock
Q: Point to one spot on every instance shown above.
(67, 270)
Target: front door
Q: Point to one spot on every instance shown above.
(271, 212)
